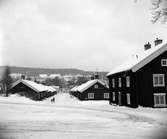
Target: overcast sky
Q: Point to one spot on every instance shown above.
(84, 34)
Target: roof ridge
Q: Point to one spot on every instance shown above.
(143, 59)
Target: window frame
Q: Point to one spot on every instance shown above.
(127, 81)
(159, 96)
(128, 98)
(113, 83)
(106, 95)
(91, 96)
(119, 82)
(158, 84)
(96, 86)
(163, 65)
(113, 96)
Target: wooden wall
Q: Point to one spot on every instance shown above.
(98, 93)
(141, 84)
(26, 91)
(144, 79)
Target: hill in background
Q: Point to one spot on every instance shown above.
(36, 71)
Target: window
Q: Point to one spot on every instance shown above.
(119, 82)
(113, 83)
(41, 94)
(158, 80)
(113, 96)
(120, 98)
(164, 62)
(127, 81)
(96, 86)
(106, 95)
(91, 95)
(128, 98)
(159, 99)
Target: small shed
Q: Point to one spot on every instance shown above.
(92, 90)
(32, 89)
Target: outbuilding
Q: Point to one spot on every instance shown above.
(32, 89)
(143, 80)
(91, 90)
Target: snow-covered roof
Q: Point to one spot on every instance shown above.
(50, 89)
(43, 75)
(74, 88)
(139, 61)
(81, 88)
(54, 75)
(35, 86)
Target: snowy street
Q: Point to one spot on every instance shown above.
(69, 118)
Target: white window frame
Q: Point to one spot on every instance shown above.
(128, 98)
(106, 95)
(162, 62)
(96, 86)
(127, 81)
(113, 83)
(158, 84)
(113, 96)
(90, 95)
(159, 96)
(119, 82)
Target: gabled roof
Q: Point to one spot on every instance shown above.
(74, 88)
(81, 88)
(35, 86)
(141, 60)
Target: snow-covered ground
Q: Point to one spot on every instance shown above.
(69, 118)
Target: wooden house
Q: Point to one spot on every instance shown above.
(143, 80)
(32, 89)
(91, 90)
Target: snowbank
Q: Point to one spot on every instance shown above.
(16, 98)
(68, 117)
(67, 99)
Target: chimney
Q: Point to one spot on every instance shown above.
(92, 77)
(157, 41)
(96, 76)
(147, 46)
(23, 76)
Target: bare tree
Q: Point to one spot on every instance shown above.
(81, 80)
(7, 81)
(54, 82)
(159, 11)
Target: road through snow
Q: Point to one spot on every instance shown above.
(78, 120)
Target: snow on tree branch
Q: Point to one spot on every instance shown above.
(159, 11)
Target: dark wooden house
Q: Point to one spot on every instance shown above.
(32, 89)
(92, 90)
(142, 81)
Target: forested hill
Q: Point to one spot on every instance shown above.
(37, 71)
